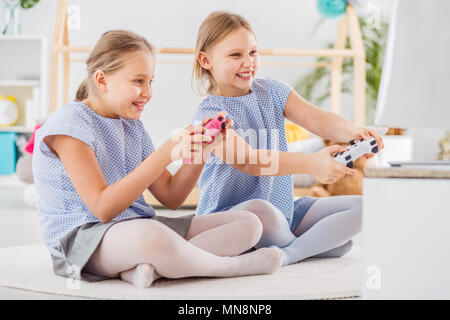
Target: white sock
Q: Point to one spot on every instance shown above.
(142, 276)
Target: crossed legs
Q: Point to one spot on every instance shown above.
(140, 250)
(325, 231)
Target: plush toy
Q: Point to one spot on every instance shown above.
(445, 147)
(9, 111)
(24, 171)
(23, 166)
(30, 144)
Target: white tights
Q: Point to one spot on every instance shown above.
(141, 250)
(325, 230)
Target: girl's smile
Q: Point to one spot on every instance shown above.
(126, 91)
(233, 63)
(140, 105)
(131, 86)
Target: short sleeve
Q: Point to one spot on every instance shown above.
(147, 144)
(66, 123)
(280, 92)
(205, 110)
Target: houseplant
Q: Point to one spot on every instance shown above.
(315, 85)
(11, 10)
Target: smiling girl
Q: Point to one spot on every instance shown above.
(258, 176)
(92, 162)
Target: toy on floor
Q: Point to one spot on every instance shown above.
(24, 170)
(356, 150)
(213, 127)
(30, 144)
(23, 166)
(348, 185)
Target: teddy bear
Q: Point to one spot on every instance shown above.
(348, 185)
(445, 147)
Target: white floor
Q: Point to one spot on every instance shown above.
(19, 226)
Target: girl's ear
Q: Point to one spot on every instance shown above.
(203, 59)
(100, 80)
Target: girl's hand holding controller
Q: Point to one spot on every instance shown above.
(189, 143)
(212, 128)
(325, 169)
(367, 134)
(217, 125)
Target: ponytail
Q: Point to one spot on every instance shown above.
(83, 91)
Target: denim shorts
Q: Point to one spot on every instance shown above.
(301, 206)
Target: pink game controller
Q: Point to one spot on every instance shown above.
(213, 128)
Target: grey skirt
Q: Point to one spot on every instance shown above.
(75, 249)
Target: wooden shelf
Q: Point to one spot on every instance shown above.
(22, 37)
(19, 129)
(24, 76)
(20, 83)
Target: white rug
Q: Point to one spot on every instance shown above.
(29, 268)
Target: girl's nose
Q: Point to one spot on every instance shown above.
(248, 61)
(147, 91)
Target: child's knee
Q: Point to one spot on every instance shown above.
(258, 205)
(271, 218)
(253, 226)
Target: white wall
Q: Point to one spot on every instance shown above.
(174, 23)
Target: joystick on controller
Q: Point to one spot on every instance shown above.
(356, 150)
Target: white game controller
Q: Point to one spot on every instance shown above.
(356, 150)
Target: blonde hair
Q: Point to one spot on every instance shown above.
(214, 29)
(109, 55)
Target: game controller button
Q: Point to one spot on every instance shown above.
(350, 164)
(348, 157)
(220, 118)
(375, 149)
(335, 155)
(352, 141)
(361, 140)
(373, 142)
